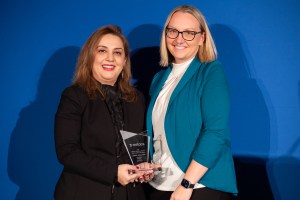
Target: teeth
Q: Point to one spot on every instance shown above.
(108, 66)
(179, 47)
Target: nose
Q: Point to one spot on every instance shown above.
(110, 57)
(179, 38)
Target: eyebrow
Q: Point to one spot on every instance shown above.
(187, 29)
(102, 46)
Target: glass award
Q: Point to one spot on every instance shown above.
(137, 146)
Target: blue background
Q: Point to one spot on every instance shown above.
(258, 43)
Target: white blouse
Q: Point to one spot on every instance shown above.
(170, 177)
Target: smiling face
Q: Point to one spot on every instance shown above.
(109, 59)
(181, 49)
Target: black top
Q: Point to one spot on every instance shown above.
(85, 141)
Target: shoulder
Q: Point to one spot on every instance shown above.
(76, 94)
(212, 66)
(74, 90)
(214, 77)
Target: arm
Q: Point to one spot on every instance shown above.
(215, 107)
(194, 173)
(214, 132)
(68, 142)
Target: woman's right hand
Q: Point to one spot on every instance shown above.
(128, 173)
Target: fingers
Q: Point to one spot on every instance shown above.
(148, 167)
(148, 171)
(141, 173)
(127, 174)
(147, 176)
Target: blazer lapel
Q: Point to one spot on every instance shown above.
(191, 70)
(159, 83)
(156, 86)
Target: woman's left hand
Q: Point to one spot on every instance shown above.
(149, 173)
(182, 193)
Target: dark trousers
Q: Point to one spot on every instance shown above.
(198, 194)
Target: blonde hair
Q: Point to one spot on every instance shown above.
(206, 53)
(83, 75)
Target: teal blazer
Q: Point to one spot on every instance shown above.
(197, 122)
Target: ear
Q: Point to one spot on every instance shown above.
(202, 38)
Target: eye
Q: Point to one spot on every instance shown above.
(119, 53)
(101, 50)
(190, 33)
(172, 30)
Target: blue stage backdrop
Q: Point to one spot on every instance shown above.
(258, 43)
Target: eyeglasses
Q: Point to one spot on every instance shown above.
(186, 35)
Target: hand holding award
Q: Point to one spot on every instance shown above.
(137, 146)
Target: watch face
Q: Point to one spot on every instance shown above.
(185, 183)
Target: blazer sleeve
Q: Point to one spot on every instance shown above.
(68, 140)
(215, 106)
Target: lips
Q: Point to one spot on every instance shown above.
(108, 67)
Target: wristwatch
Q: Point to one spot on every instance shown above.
(187, 184)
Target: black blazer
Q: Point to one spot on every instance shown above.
(85, 142)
